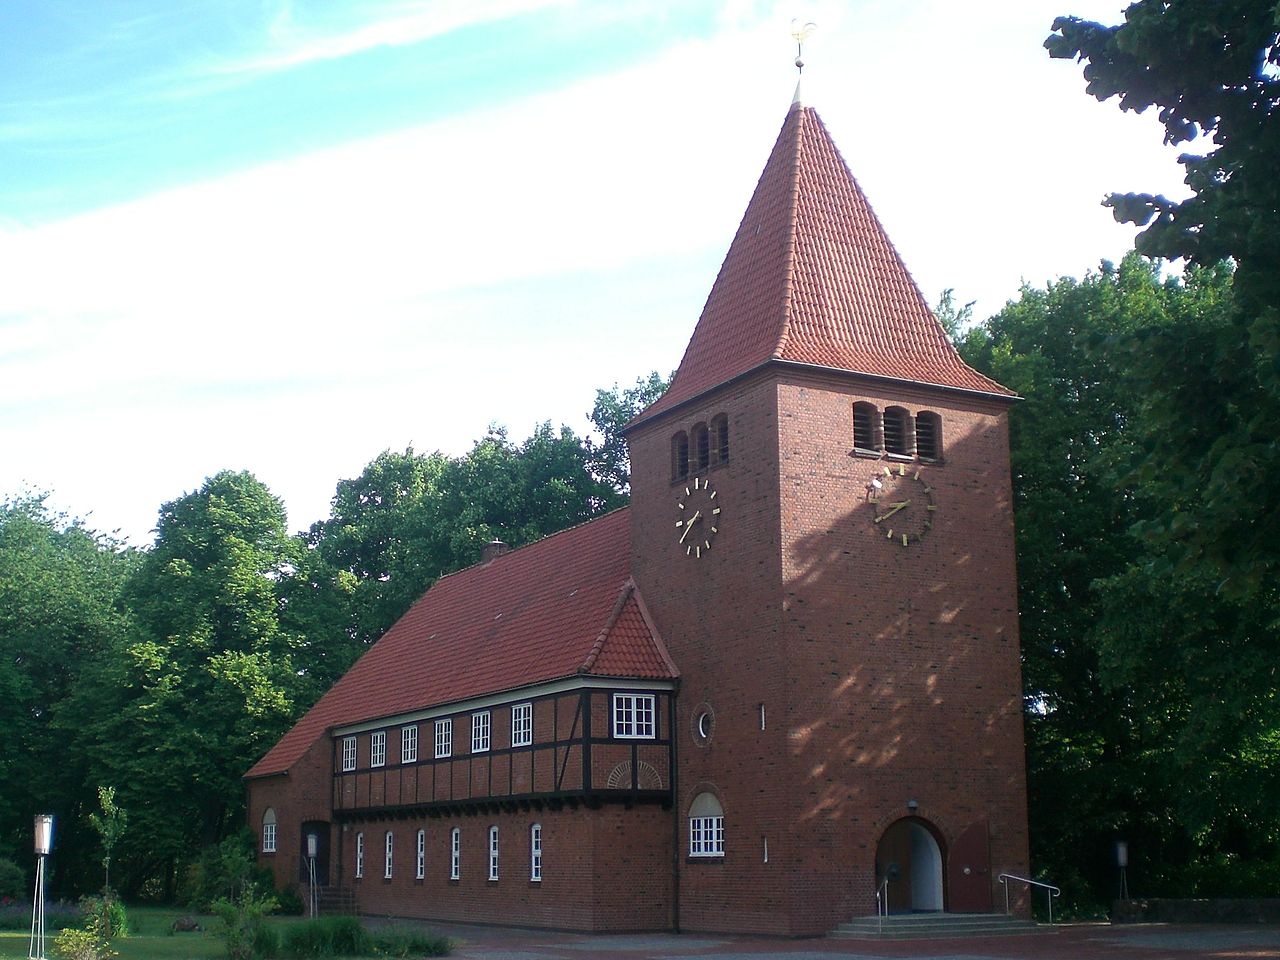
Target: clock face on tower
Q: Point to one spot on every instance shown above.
(902, 507)
(697, 518)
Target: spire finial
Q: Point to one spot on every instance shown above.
(801, 34)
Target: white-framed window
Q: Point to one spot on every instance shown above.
(706, 827)
(535, 853)
(480, 731)
(389, 846)
(269, 831)
(522, 725)
(455, 854)
(634, 716)
(420, 870)
(409, 744)
(348, 753)
(359, 855)
(493, 853)
(378, 748)
(444, 738)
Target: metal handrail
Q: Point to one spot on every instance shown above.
(1050, 889)
(882, 904)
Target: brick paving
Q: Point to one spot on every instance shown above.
(1062, 942)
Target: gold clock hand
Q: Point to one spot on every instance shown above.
(892, 510)
(689, 526)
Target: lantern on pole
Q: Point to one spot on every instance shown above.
(43, 846)
(313, 850)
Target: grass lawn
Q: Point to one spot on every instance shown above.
(149, 938)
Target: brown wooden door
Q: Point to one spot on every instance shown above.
(969, 870)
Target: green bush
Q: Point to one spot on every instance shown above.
(223, 871)
(244, 922)
(338, 936)
(109, 913)
(13, 881)
(290, 903)
(73, 944)
(409, 943)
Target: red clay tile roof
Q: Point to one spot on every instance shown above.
(560, 607)
(811, 277)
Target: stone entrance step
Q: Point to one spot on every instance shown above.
(928, 926)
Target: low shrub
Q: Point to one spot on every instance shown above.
(398, 942)
(245, 929)
(290, 903)
(72, 944)
(337, 936)
(110, 914)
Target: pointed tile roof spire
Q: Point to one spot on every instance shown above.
(812, 278)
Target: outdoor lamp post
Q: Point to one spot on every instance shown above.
(1122, 861)
(313, 845)
(44, 846)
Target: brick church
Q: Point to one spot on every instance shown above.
(783, 682)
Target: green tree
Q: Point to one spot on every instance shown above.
(177, 714)
(61, 588)
(613, 410)
(1095, 743)
(110, 825)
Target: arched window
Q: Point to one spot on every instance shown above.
(928, 436)
(720, 438)
(702, 445)
(866, 419)
(535, 853)
(359, 855)
(269, 831)
(420, 870)
(706, 827)
(680, 456)
(455, 854)
(899, 437)
(493, 853)
(389, 845)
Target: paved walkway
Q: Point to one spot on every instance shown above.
(1064, 942)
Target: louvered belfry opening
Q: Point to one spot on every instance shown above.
(865, 419)
(898, 435)
(928, 436)
(702, 444)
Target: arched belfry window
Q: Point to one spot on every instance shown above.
(706, 826)
(680, 456)
(899, 434)
(928, 436)
(702, 445)
(866, 427)
(720, 438)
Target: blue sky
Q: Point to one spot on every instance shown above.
(284, 236)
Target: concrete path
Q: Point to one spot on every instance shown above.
(1063, 942)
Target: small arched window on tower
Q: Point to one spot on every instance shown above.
(706, 826)
(680, 456)
(702, 445)
(720, 438)
(866, 420)
(928, 436)
(899, 437)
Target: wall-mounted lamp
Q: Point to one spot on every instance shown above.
(913, 805)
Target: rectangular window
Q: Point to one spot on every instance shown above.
(268, 838)
(480, 732)
(522, 725)
(348, 753)
(386, 863)
(455, 854)
(359, 855)
(444, 738)
(706, 836)
(378, 748)
(535, 853)
(493, 853)
(420, 870)
(409, 744)
(634, 716)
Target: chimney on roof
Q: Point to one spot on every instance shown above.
(492, 550)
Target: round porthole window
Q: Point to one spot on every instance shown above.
(704, 723)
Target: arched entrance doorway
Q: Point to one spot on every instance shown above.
(910, 856)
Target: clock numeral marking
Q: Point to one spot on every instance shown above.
(902, 469)
(888, 472)
(698, 553)
(889, 535)
(716, 510)
(931, 507)
(688, 492)
(713, 494)
(679, 523)
(715, 530)
(904, 539)
(688, 550)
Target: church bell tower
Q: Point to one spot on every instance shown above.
(822, 527)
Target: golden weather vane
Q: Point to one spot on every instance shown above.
(801, 34)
